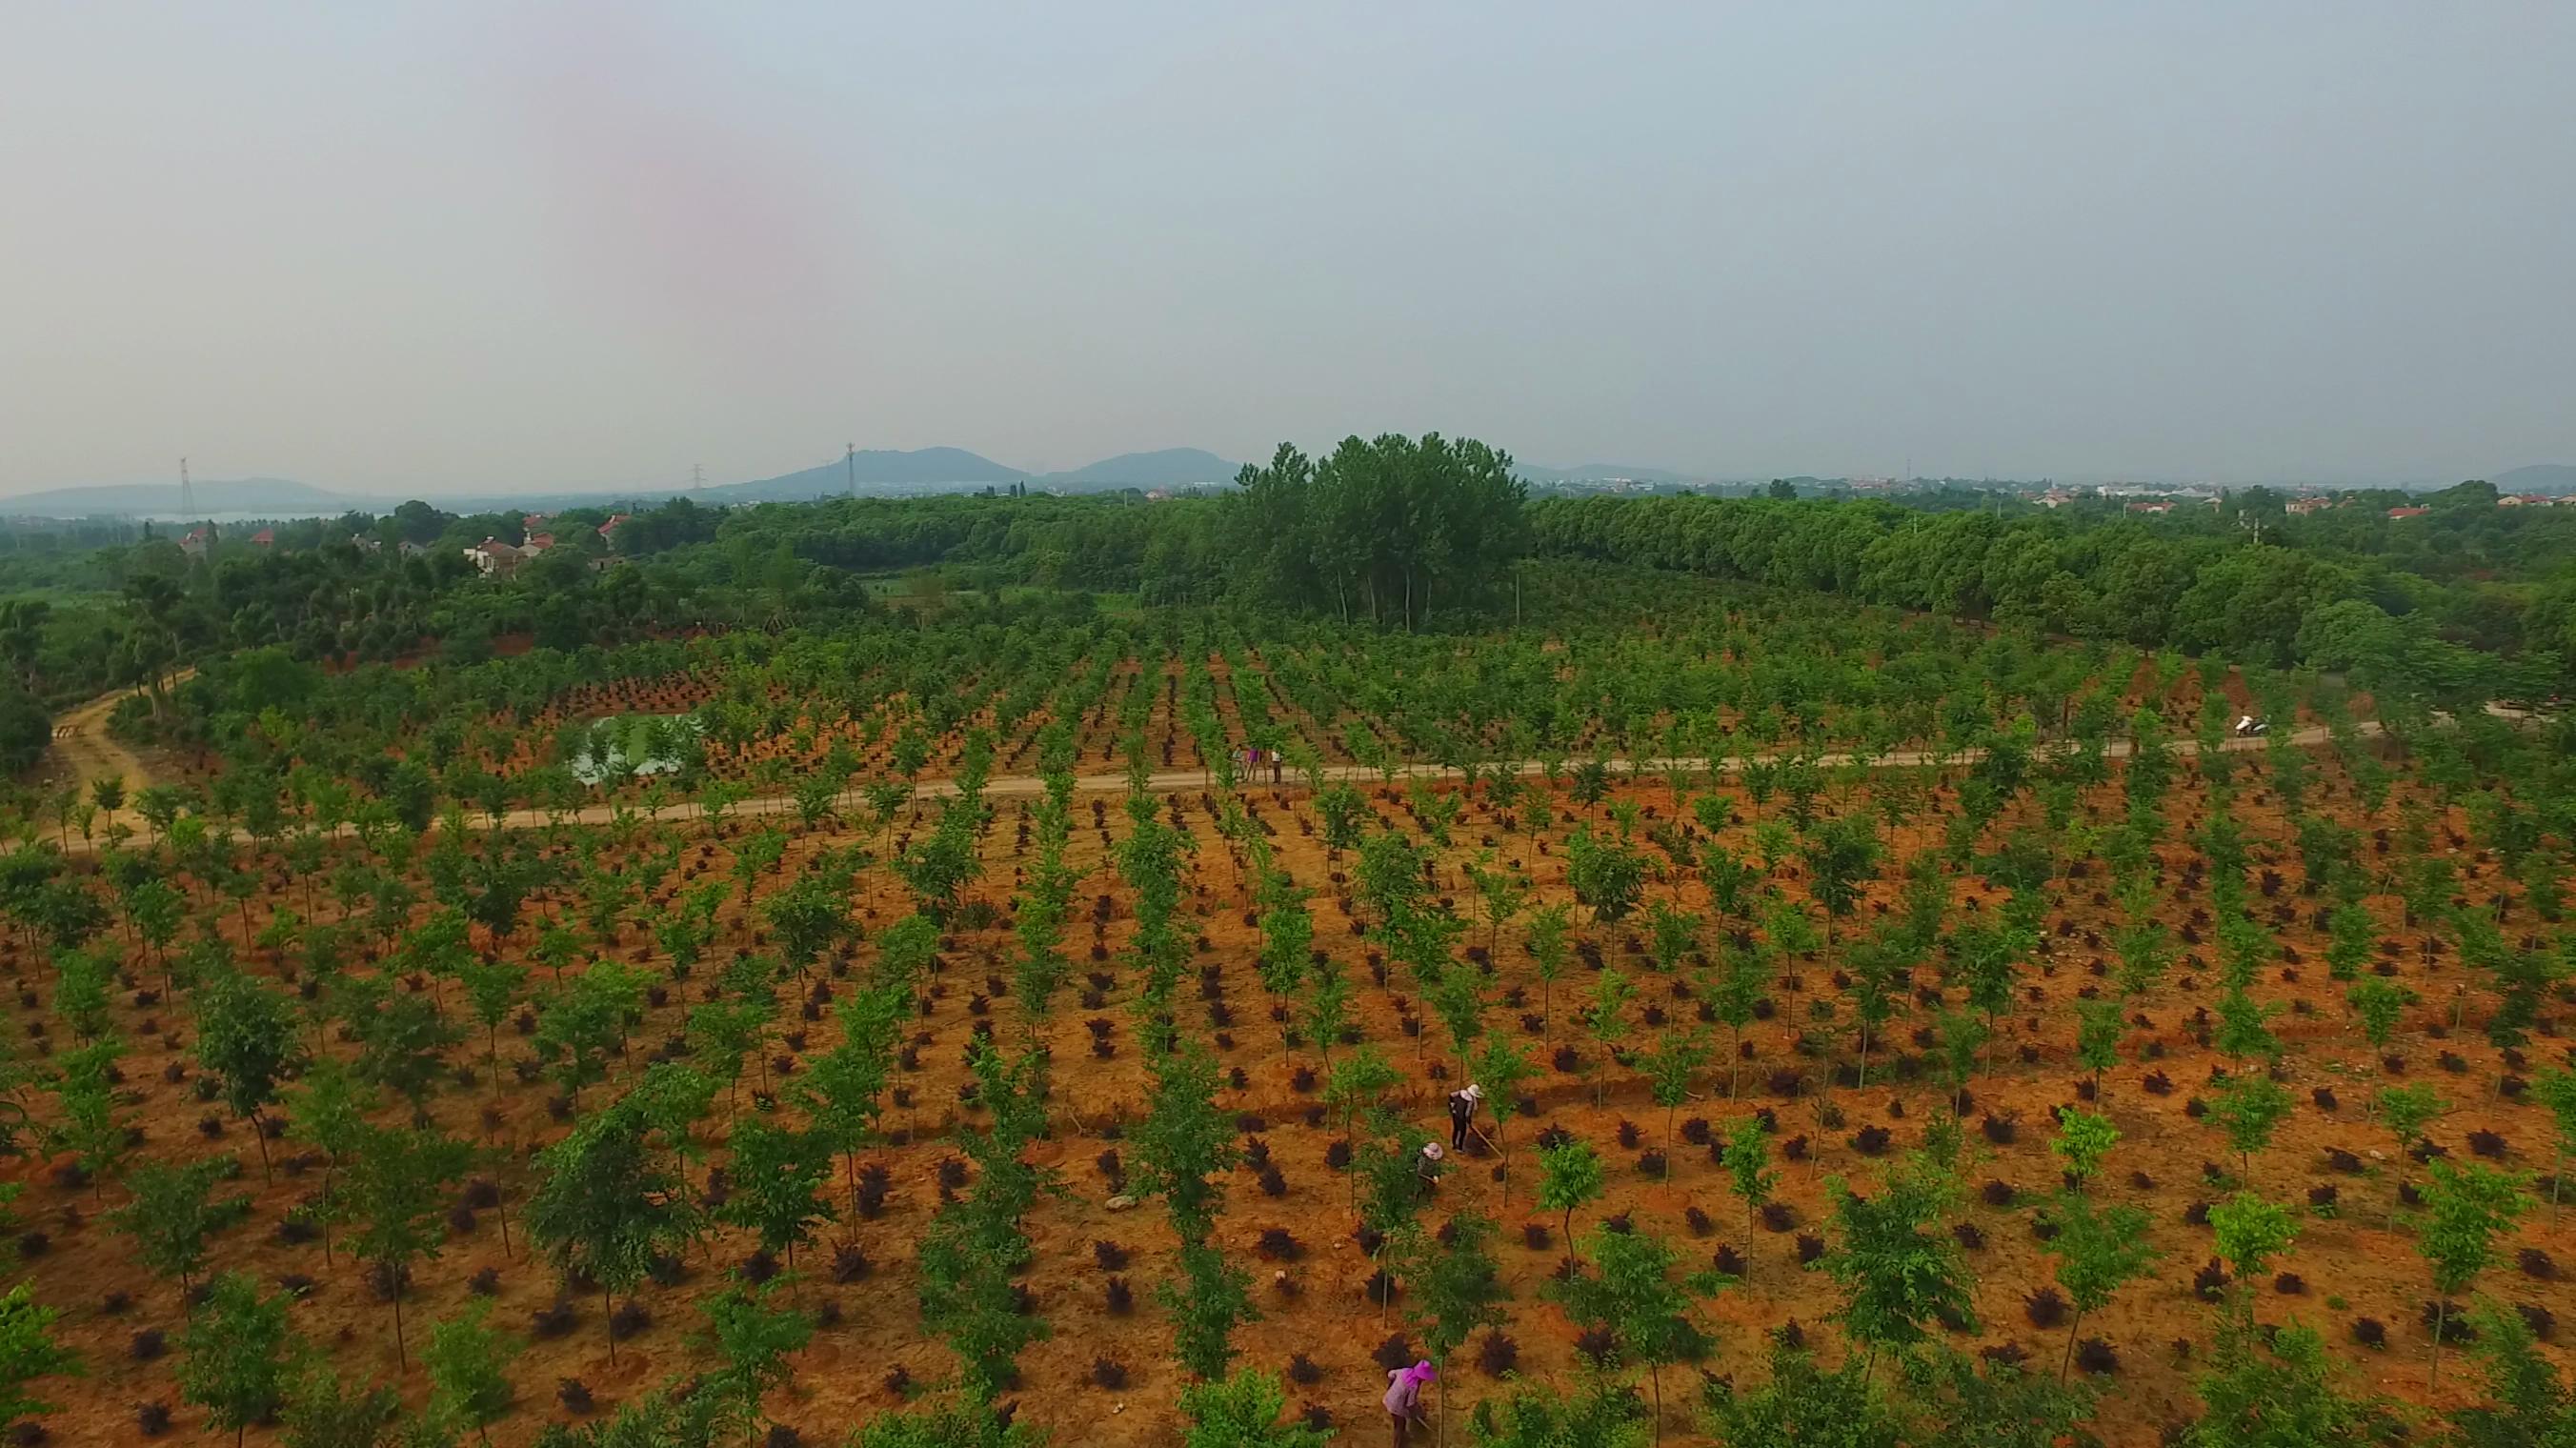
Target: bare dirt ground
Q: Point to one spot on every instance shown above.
(2348, 1265)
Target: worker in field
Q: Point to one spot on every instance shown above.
(1462, 1114)
(1404, 1399)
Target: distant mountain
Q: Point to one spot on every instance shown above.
(876, 470)
(1172, 467)
(283, 497)
(2552, 478)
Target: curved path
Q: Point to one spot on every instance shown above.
(83, 750)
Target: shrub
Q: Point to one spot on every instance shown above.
(2210, 1282)
(2449, 1318)
(554, 1321)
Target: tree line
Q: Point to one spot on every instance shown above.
(2263, 594)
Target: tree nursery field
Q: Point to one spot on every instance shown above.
(1027, 1020)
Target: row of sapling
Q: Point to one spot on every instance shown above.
(399, 1048)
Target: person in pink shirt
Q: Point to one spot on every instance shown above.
(1404, 1398)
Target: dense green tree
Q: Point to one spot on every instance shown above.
(397, 1193)
(777, 1182)
(2524, 1403)
(1184, 1142)
(1569, 1176)
(468, 1362)
(28, 1352)
(1206, 1302)
(1631, 1286)
(174, 1211)
(1242, 1410)
(2277, 1389)
(1799, 1405)
(2464, 1210)
(1899, 1269)
(323, 1412)
(234, 1356)
(605, 1206)
(246, 1036)
(2099, 1250)
(755, 1340)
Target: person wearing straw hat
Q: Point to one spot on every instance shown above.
(1462, 1114)
(1427, 1167)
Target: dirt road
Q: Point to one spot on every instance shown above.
(1170, 781)
(83, 751)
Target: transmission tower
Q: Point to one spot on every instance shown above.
(187, 495)
(850, 465)
(697, 476)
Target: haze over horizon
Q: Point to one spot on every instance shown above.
(413, 248)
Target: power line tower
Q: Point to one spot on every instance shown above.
(187, 495)
(850, 466)
(697, 477)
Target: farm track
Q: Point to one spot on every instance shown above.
(1174, 781)
(83, 750)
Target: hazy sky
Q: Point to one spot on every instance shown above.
(386, 247)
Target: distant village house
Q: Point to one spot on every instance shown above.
(496, 559)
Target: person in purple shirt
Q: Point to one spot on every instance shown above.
(1404, 1398)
